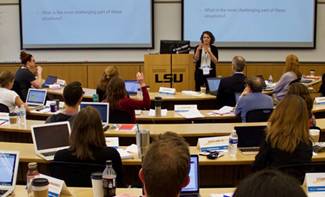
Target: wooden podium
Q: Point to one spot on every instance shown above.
(169, 70)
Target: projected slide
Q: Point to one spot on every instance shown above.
(85, 23)
(251, 23)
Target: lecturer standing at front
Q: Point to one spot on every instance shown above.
(206, 58)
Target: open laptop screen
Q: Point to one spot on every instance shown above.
(102, 108)
(7, 168)
(50, 80)
(193, 185)
(213, 84)
(36, 96)
(131, 86)
(250, 136)
(50, 136)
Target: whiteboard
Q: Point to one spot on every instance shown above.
(167, 26)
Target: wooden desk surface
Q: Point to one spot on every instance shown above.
(86, 192)
(27, 154)
(178, 96)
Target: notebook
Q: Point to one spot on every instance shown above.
(250, 138)
(50, 80)
(49, 138)
(36, 97)
(9, 161)
(102, 108)
(192, 189)
(131, 86)
(213, 85)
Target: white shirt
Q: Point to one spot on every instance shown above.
(205, 59)
(8, 97)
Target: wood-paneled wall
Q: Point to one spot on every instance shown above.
(89, 73)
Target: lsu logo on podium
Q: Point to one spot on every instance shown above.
(169, 78)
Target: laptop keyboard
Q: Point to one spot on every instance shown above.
(49, 154)
(2, 191)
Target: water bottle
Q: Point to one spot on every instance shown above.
(31, 173)
(109, 180)
(22, 115)
(233, 141)
(95, 98)
(270, 79)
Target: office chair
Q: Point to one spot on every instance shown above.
(74, 174)
(4, 108)
(258, 115)
(119, 116)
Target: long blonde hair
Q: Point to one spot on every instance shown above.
(108, 74)
(288, 124)
(292, 64)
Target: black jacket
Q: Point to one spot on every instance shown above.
(228, 88)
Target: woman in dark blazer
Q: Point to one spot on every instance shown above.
(206, 58)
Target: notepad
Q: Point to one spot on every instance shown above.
(130, 127)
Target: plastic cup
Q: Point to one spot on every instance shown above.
(203, 90)
(12, 118)
(97, 184)
(314, 134)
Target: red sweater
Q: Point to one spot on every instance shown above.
(129, 105)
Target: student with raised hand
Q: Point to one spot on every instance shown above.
(87, 143)
(72, 95)
(9, 97)
(118, 98)
(206, 58)
(28, 75)
(252, 98)
(302, 91)
(287, 137)
(109, 73)
(269, 183)
(291, 73)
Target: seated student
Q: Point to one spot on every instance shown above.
(109, 73)
(302, 91)
(165, 168)
(230, 86)
(253, 98)
(72, 95)
(291, 73)
(87, 143)
(9, 97)
(287, 137)
(117, 96)
(269, 183)
(27, 76)
(322, 86)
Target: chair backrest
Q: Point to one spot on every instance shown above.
(258, 115)
(298, 170)
(4, 108)
(75, 174)
(119, 116)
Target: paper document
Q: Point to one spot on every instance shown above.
(191, 93)
(223, 110)
(191, 114)
(320, 100)
(315, 184)
(183, 108)
(152, 112)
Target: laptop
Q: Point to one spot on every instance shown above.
(9, 161)
(50, 81)
(250, 138)
(192, 189)
(102, 108)
(36, 97)
(131, 86)
(213, 85)
(49, 138)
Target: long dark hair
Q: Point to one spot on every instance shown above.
(87, 134)
(115, 91)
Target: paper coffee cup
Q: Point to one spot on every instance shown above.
(314, 134)
(40, 187)
(97, 184)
